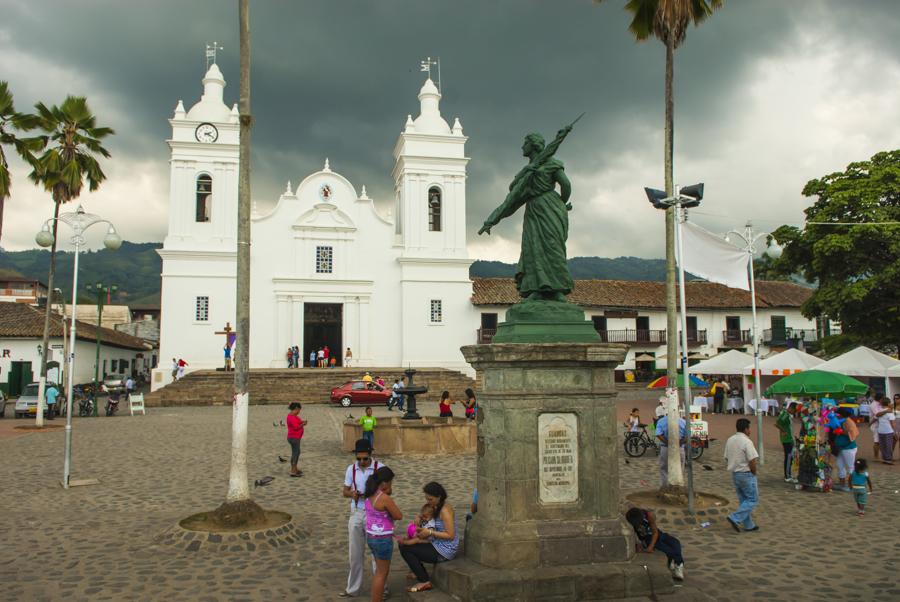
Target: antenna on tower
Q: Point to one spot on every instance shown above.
(427, 64)
(211, 53)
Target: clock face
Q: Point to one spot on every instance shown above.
(206, 132)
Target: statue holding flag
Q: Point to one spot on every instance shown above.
(542, 272)
(542, 275)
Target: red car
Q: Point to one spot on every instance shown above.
(356, 392)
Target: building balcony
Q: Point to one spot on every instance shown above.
(695, 337)
(484, 336)
(639, 337)
(789, 337)
(736, 338)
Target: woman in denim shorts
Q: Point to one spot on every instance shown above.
(381, 512)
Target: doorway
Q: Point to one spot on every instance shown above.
(323, 325)
(20, 376)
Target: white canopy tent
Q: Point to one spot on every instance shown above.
(776, 367)
(730, 362)
(865, 362)
(893, 380)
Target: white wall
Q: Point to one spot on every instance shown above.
(85, 356)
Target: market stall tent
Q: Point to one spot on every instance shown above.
(893, 380)
(730, 362)
(776, 367)
(863, 361)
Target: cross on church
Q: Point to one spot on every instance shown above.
(230, 335)
(211, 50)
(427, 64)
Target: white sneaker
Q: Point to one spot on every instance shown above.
(788, 480)
(678, 572)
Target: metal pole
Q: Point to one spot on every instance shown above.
(689, 476)
(758, 377)
(68, 460)
(97, 361)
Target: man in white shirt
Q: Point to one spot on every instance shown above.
(741, 457)
(354, 486)
(882, 411)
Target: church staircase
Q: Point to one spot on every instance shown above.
(306, 385)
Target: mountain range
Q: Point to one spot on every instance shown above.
(135, 269)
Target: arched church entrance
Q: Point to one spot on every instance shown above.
(323, 325)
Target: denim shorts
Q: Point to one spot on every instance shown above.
(861, 497)
(382, 547)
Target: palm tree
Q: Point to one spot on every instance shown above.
(667, 21)
(74, 142)
(11, 120)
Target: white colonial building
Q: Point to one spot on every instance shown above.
(326, 267)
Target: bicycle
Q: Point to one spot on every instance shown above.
(637, 444)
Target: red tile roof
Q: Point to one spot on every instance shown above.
(640, 294)
(19, 320)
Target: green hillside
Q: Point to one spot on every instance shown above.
(135, 268)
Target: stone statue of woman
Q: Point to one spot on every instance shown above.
(542, 273)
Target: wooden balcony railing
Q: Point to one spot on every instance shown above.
(736, 338)
(647, 337)
(484, 336)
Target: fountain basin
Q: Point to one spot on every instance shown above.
(427, 435)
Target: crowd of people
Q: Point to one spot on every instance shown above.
(320, 356)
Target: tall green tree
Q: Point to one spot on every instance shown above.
(74, 143)
(12, 121)
(668, 21)
(857, 267)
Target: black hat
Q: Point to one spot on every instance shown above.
(363, 446)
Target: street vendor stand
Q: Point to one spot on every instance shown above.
(813, 454)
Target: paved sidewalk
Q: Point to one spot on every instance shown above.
(97, 543)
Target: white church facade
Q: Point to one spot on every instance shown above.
(326, 267)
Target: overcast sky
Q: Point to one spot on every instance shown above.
(769, 94)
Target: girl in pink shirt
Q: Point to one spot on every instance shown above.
(294, 435)
(381, 512)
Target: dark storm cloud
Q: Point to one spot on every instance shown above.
(336, 78)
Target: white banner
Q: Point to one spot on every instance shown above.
(711, 257)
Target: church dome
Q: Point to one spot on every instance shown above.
(212, 105)
(429, 120)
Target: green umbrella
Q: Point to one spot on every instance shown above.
(817, 382)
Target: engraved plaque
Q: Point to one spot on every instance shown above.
(558, 458)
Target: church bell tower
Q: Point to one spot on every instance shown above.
(430, 183)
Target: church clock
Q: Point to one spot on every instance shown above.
(206, 132)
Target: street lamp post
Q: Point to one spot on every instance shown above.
(685, 197)
(101, 290)
(749, 239)
(79, 221)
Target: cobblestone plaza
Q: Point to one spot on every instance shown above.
(102, 542)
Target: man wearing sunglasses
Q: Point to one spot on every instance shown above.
(354, 486)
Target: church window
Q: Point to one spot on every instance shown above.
(434, 209)
(437, 313)
(324, 260)
(201, 312)
(204, 197)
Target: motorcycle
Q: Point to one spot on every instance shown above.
(112, 404)
(85, 406)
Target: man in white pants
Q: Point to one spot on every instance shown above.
(354, 486)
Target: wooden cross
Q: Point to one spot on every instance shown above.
(228, 332)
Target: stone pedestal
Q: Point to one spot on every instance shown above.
(548, 523)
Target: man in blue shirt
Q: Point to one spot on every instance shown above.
(662, 434)
(51, 394)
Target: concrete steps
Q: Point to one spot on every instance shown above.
(306, 385)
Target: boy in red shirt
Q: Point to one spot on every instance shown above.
(294, 435)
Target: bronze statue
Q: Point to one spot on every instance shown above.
(542, 273)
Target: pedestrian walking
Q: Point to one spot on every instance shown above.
(295, 353)
(129, 385)
(896, 422)
(312, 359)
(355, 479)
(294, 434)
(326, 355)
(381, 512)
(368, 423)
(320, 357)
(290, 358)
(348, 358)
(226, 350)
(859, 480)
(181, 366)
(650, 538)
(785, 425)
(741, 457)
(662, 434)
(50, 394)
(174, 369)
(882, 412)
(845, 447)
